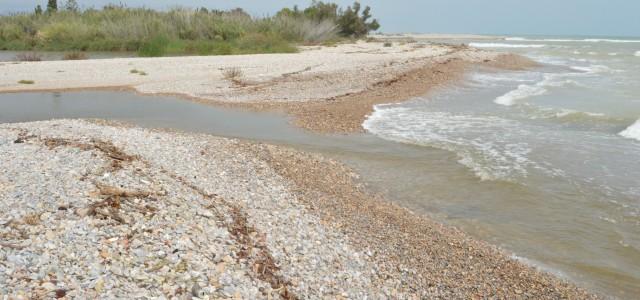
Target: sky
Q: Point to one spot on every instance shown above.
(512, 17)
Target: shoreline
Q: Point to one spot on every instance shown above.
(340, 231)
(386, 250)
(325, 89)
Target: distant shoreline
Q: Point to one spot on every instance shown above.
(326, 89)
(437, 36)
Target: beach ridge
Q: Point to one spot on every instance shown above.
(193, 213)
(326, 89)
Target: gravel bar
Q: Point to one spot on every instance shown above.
(93, 210)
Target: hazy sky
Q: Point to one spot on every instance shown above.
(548, 17)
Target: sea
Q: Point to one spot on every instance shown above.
(555, 150)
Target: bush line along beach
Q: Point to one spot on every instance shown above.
(103, 209)
(181, 30)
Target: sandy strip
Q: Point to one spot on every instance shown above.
(93, 210)
(327, 89)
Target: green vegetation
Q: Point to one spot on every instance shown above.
(136, 71)
(26, 82)
(52, 6)
(350, 21)
(201, 31)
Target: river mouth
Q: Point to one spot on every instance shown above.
(553, 231)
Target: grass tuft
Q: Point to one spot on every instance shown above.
(26, 82)
(31, 219)
(232, 74)
(75, 55)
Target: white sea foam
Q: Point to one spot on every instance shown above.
(637, 53)
(525, 91)
(574, 115)
(522, 92)
(610, 41)
(594, 69)
(501, 45)
(482, 143)
(503, 77)
(521, 39)
(568, 112)
(632, 132)
(612, 53)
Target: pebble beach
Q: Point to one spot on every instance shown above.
(97, 209)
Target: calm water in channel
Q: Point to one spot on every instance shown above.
(545, 163)
(53, 55)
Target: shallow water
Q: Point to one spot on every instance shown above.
(56, 55)
(565, 136)
(553, 186)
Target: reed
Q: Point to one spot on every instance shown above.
(157, 33)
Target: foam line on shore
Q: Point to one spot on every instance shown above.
(632, 132)
(503, 45)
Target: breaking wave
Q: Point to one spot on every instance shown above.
(525, 91)
(521, 39)
(522, 92)
(493, 157)
(500, 45)
(632, 132)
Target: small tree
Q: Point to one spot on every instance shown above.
(72, 5)
(321, 11)
(38, 10)
(353, 24)
(52, 6)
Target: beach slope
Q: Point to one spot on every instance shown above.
(99, 210)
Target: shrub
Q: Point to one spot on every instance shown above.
(232, 74)
(352, 24)
(350, 21)
(263, 43)
(26, 82)
(154, 47)
(179, 30)
(52, 6)
(388, 44)
(74, 56)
